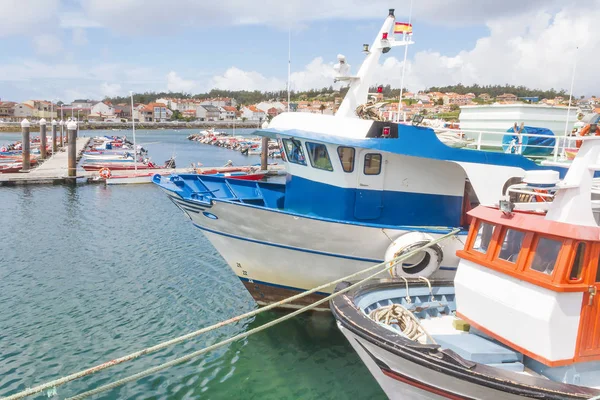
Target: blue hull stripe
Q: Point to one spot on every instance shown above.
(443, 231)
(321, 253)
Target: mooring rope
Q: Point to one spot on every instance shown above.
(148, 350)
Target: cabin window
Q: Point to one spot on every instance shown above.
(598, 271)
(293, 150)
(346, 155)
(484, 237)
(372, 164)
(280, 143)
(578, 263)
(546, 255)
(511, 246)
(319, 158)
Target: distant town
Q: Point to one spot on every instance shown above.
(434, 104)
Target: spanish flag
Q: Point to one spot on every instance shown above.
(403, 27)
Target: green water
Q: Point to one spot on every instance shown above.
(91, 273)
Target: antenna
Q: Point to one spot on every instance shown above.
(404, 65)
(289, 67)
(569, 108)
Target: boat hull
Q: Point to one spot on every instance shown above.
(406, 380)
(278, 254)
(117, 167)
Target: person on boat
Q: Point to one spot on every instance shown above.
(587, 130)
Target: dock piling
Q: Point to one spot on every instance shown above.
(26, 163)
(72, 152)
(43, 141)
(264, 154)
(54, 146)
(62, 132)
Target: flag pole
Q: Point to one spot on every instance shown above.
(289, 67)
(404, 64)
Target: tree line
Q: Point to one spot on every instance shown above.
(327, 93)
(497, 90)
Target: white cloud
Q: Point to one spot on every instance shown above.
(26, 16)
(237, 79)
(79, 37)
(175, 83)
(537, 51)
(139, 16)
(47, 45)
(72, 19)
(110, 89)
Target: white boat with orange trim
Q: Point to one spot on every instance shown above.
(521, 318)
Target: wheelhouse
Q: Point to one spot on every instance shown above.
(544, 273)
(351, 183)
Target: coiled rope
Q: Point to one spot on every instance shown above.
(396, 314)
(129, 357)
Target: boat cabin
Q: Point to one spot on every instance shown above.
(532, 284)
(350, 183)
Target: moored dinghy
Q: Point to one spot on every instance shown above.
(520, 320)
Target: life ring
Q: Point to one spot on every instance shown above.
(586, 131)
(3, 149)
(424, 263)
(538, 198)
(105, 173)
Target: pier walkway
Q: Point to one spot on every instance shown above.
(52, 170)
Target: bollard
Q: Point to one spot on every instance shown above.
(72, 152)
(264, 154)
(43, 154)
(26, 163)
(54, 146)
(67, 122)
(62, 133)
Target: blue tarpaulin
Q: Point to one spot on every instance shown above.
(529, 145)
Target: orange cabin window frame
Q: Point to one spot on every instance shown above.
(558, 280)
(517, 264)
(586, 262)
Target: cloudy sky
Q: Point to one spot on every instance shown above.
(66, 49)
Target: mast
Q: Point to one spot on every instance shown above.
(569, 108)
(289, 67)
(359, 86)
(133, 126)
(404, 65)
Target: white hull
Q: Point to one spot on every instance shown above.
(406, 380)
(275, 252)
(129, 180)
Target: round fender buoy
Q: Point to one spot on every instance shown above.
(424, 263)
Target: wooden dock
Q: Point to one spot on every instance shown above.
(54, 170)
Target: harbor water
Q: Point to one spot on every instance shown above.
(89, 273)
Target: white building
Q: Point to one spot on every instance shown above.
(227, 113)
(266, 105)
(207, 112)
(251, 113)
(103, 109)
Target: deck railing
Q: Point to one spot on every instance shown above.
(558, 149)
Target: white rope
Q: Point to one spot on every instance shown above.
(100, 367)
(396, 314)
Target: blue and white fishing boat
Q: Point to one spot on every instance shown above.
(357, 192)
(521, 319)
